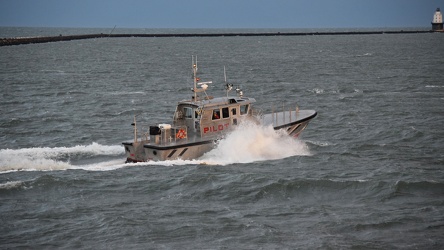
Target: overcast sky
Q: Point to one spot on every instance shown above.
(218, 13)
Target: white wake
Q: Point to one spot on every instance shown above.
(248, 143)
(47, 159)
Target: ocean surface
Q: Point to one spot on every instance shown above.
(367, 173)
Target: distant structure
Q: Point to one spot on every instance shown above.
(437, 20)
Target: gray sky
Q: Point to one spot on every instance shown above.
(219, 13)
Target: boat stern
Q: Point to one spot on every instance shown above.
(134, 151)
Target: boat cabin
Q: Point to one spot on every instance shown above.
(210, 117)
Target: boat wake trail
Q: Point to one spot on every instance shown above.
(248, 143)
(251, 142)
(60, 158)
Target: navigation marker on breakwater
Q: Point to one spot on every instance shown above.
(437, 24)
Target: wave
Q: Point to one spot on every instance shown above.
(11, 185)
(53, 71)
(366, 54)
(360, 189)
(343, 93)
(47, 159)
(317, 91)
(421, 188)
(120, 93)
(320, 143)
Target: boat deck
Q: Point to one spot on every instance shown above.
(287, 118)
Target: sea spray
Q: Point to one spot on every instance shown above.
(251, 142)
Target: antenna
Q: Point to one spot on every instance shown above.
(194, 62)
(203, 85)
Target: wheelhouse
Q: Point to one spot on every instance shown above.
(210, 117)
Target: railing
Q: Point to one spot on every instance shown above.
(256, 112)
(170, 134)
(281, 113)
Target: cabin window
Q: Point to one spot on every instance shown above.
(188, 113)
(216, 114)
(225, 113)
(233, 111)
(244, 109)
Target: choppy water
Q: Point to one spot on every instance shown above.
(366, 173)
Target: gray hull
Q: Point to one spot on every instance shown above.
(145, 151)
(183, 151)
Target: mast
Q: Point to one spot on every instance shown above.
(194, 62)
(203, 85)
(228, 86)
(135, 130)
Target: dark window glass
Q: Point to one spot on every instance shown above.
(243, 109)
(225, 113)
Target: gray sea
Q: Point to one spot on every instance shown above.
(367, 173)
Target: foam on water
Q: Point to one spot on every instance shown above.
(11, 185)
(47, 159)
(251, 142)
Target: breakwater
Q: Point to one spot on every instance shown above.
(31, 40)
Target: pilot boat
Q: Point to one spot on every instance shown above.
(200, 122)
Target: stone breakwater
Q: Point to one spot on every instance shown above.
(31, 40)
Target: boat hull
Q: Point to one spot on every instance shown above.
(183, 151)
(144, 151)
(296, 129)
